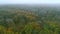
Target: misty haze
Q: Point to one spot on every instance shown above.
(29, 17)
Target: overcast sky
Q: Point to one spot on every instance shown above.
(29, 1)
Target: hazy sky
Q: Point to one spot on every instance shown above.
(29, 1)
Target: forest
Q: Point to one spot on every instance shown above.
(29, 19)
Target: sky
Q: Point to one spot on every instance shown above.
(29, 1)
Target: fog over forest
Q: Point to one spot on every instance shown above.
(29, 19)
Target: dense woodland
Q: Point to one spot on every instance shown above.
(29, 19)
